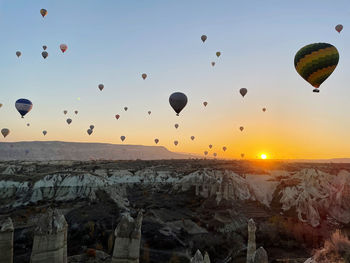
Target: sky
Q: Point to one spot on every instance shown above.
(113, 42)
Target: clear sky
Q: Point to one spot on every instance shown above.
(113, 42)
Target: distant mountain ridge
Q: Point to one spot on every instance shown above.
(81, 151)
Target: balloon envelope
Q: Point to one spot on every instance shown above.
(5, 132)
(176, 143)
(44, 54)
(213, 63)
(63, 47)
(44, 132)
(203, 38)
(178, 101)
(339, 28)
(210, 146)
(69, 121)
(144, 76)
(218, 54)
(205, 103)
(44, 47)
(92, 127)
(316, 62)
(176, 126)
(101, 86)
(243, 91)
(224, 148)
(89, 131)
(241, 128)
(76, 112)
(0, 105)
(264, 109)
(156, 141)
(125, 108)
(43, 12)
(117, 116)
(149, 112)
(122, 138)
(192, 138)
(23, 106)
(65, 112)
(18, 53)
(205, 152)
(215, 154)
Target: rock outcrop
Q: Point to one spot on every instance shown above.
(50, 239)
(260, 256)
(198, 257)
(6, 241)
(251, 246)
(127, 239)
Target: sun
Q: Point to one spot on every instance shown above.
(263, 156)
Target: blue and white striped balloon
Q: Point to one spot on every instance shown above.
(23, 106)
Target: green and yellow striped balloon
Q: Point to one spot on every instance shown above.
(316, 62)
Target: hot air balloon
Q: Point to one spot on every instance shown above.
(178, 101)
(213, 63)
(176, 126)
(69, 121)
(76, 112)
(241, 128)
(122, 138)
(156, 141)
(339, 28)
(44, 132)
(63, 47)
(242, 155)
(44, 47)
(224, 148)
(5, 132)
(92, 127)
(18, 53)
(218, 54)
(243, 91)
(176, 143)
(28, 124)
(204, 37)
(205, 103)
(205, 152)
(144, 76)
(316, 62)
(215, 154)
(210, 146)
(264, 109)
(43, 12)
(149, 112)
(44, 54)
(101, 86)
(89, 131)
(192, 138)
(0, 105)
(23, 106)
(125, 108)
(117, 116)
(65, 112)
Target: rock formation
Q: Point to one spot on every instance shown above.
(260, 256)
(198, 258)
(6, 241)
(251, 246)
(127, 240)
(50, 239)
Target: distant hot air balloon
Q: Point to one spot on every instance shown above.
(149, 112)
(243, 91)
(264, 109)
(339, 28)
(178, 101)
(210, 146)
(176, 143)
(69, 121)
(241, 128)
(89, 131)
(101, 86)
(176, 126)
(144, 76)
(44, 132)
(117, 116)
(213, 63)
(92, 127)
(218, 54)
(44, 47)
(18, 53)
(215, 154)
(28, 124)
(192, 138)
(156, 141)
(125, 108)
(43, 12)
(76, 112)
(44, 54)
(63, 47)
(242, 155)
(65, 112)
(23, 106)
(0, 105)
(5, 132)
(203, 38)
(205, 152)
(122, 138)
(316, 62)
(224, 148)
(205, 103)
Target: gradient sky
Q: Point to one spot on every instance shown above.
(114, 42)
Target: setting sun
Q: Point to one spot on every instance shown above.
(263, 156)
